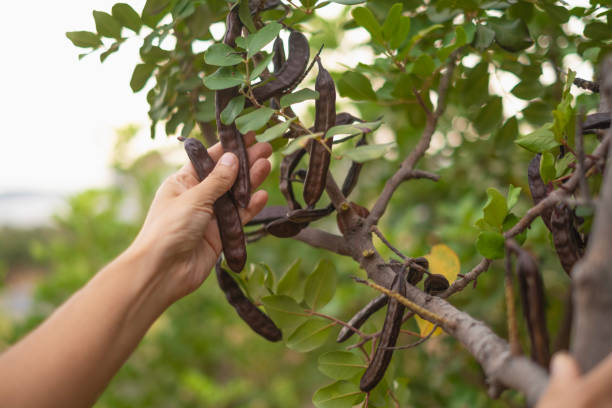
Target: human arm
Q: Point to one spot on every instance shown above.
(70, 358)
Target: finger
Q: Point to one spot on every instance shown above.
(257, 203)
(597, 381)
(259, 151)
(259, 171)
(216, 184)
(563, 369)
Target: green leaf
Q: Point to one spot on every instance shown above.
(140, 76)
(297, 97)
(597, 31)
(353, 129)
(513, 196)
(365, 18)
(391, 24)
(189, 84)
(223, 78)
(233, 109)
(341, 394)
(509, 131)
(366, 153)
(341, 365)
(311, 334)
(547, 167)
(528, 89)
(558, 13)
(153, 7)
(257, 70)
(510, 222)
(275, 131)
(222, 55)
(127, 16)
(84, 39)
(291, 283)
(295, 144)
(490, 117)
(483, 38)
(254, 282)
(254, 120)
(244, 13)
(401, 33)
(154, 55)
(423, 66)
(562, 165)
(538, 141)
(285, 312)
(356, 86)
(107, 25)
(495, 209)
(512, 36)
(113, 48)
(255, 42)
(538, 113)
(490, 244)
(320, 285)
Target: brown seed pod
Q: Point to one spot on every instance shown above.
(283, 228)
(533, 303)
(594, 121)
(229, 136)
(566, 238)
(309, 214)
(325, 118)
(226, 212)
(388, 337)
(291, 72)
(287, 166)
(538, 189)
(415, 274)
(436, 284)
(269, 214)
(361, 317)
(255, 318)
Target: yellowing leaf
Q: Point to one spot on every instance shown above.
(443, 261)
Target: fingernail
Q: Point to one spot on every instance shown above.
(228, 159)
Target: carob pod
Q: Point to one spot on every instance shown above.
(287, 166)
(325, 118)
(388, 337)
(538, 189)
(283, 228)
(361, 317)
(436, 284)
(255, 318)
(414, 274)
(567, 240)
(229, 136)
(291, 72)
(532, 300)
(278, 59)
(600, 120)
(226, 212)
(269, 214)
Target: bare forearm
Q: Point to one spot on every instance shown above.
(71, 357)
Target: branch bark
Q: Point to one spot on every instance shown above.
(592, 332)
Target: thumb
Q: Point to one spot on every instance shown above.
(217, 183)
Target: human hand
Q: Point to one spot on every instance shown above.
(567, 388)
(180, 232)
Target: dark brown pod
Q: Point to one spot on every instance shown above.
(229, 136)
(594, 121)
(291, 72)
(566, 238)
(309, 214)
(255, 318)
(533, 303)
(436, 284)
(390, 331)
(226, 212)
(283, 228)
(269, 214)
(414, 274)
(361, 317)
(538, 189)
(325, 118)
(287, 166)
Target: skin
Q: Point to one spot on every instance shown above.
(70, 358)
(569, 389)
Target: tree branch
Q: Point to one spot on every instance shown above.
(324, 240)
(406, 170)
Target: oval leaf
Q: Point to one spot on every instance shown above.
(285, 312)
(496, 209)
(127, 16)
(254, 120)
(297, 97)
(356, 86)
(222, 55)
(341, 365)
(310, 335)
(490, 244)
(275, 131)
(341, 394)
(223, 78)
(366, 153)
(320, 285)
(233, 109)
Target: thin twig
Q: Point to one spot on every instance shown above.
(472, 275)
(338, 321)
(385, 241)
(416, 343)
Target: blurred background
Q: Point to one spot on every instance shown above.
(78, 171)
